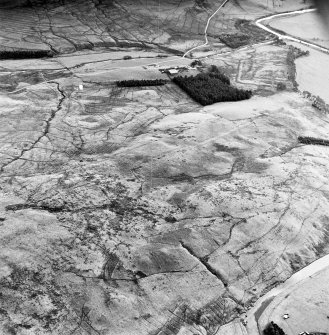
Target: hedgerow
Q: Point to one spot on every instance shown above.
(137, 83)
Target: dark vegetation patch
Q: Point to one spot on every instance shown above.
(122, 206)
(295, 261)
(211, 87)
(170, 219)
(313, 140)
(235, 40)
(182, 177)
(51, 209)
(224, 148)
(290, 60)
(322, 247)
(292, 55)
(196, 62)
(248, 33)
(317, 101)
(202, 4)
(273, 329)
(24, 54)
(299, 52)
(137, 83)
(281, 86)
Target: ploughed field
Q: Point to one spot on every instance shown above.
(135, 210)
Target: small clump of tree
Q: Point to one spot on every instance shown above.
(24, 54)
(235, 40)
(137, 83)
(273, 329)
(281, 86)
(196, 62)
(213, 86)
(299, 52)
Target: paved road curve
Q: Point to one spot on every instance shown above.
(260, 24)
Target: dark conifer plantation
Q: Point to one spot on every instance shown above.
(313, 140)
(211, 87)
(23, 54)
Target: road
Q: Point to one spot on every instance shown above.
(287, 36)
(206, 29)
